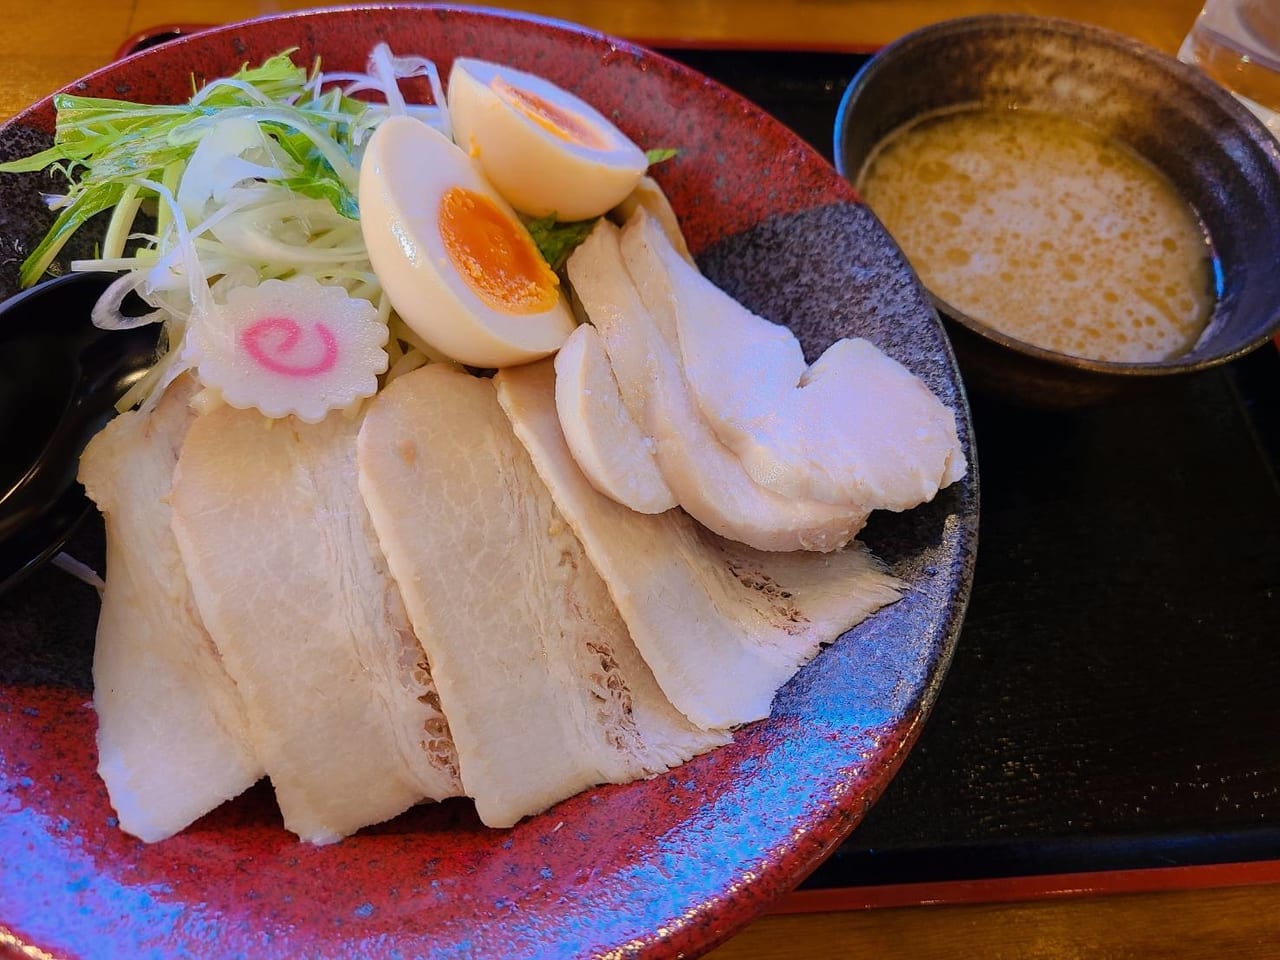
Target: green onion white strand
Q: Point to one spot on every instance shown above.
(254, 178)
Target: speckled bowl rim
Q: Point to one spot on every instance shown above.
(905, 46)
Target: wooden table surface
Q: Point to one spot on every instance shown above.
(48, 43)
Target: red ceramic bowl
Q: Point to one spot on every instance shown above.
(668, 866)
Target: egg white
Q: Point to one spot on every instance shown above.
(407, 169)
(539, 173)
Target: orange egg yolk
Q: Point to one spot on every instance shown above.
(552, 117)
(494, 254)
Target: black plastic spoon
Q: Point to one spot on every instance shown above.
(60, 378)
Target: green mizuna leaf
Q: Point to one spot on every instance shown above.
(556, 240)
(659, 154)
(104, 146)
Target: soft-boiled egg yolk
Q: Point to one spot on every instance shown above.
(546, 151)
(456, 263)
(557, 120)
(494, 254)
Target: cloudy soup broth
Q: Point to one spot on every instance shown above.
(1046, 230)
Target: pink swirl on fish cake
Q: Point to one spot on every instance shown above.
(274, 356)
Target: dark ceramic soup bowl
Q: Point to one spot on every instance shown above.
(1221, 160)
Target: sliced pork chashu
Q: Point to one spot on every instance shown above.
(544, 690)
(855, 428)
(722, 626)
(173, 735)
(705, 476)
(295, 593)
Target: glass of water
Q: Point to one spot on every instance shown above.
(1237, 43)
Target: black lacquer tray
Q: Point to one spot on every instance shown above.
(1114, 702)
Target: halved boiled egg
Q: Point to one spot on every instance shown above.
(458, 266)
(544, 149)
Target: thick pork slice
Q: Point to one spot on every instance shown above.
(173, 736)
(544, 690)
(295, 593)
(722, 626)
(706, 477)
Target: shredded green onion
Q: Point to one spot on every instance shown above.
(254, 178)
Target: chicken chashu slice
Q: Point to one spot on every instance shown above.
(544, 690)
(294, 591)
(721, 625)
(173, 735)
(705, 476)
(856, 427)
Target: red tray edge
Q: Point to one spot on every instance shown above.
(1041, 887)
